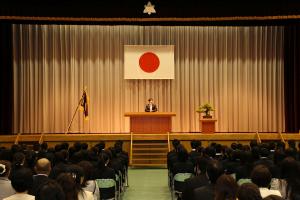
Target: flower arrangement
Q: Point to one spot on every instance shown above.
(205, 108)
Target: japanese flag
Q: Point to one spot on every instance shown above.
(149, 61)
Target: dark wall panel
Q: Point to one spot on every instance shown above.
(6, 78)
(292, 77)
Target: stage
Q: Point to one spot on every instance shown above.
(109, 138)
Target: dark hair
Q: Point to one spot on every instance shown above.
(65, 145)
(182, 154)
(44, 146)
(261, 176)
(58, 147)
(253, 143)
(77, 173)
(77, 146)
(195, 144)
(150, 99)
(291, 173)
(248, 191)
(201, 163)
(273, 197)
(214, 170)
(5, 170)
(175, 143)
(210, 151)
(36, 147)
(88, 170)
(16, 148)
(101, 145)
(18, 159)
(51, 190)
(84, 146)
(103, 158)
(21, 179)
(67, 182)
(226, 188)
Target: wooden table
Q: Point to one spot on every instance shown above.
(208, 125)
(150, 122)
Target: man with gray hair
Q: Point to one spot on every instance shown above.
(42, 169)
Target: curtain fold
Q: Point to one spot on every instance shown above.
(237, 69)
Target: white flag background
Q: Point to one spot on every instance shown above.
(149, 61)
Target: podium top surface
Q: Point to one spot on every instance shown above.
(208, 120)
(154, 114)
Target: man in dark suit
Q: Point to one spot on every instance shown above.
(150, 107)
(42, 169)
(214, 171)
(197, 181)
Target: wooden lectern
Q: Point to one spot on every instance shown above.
(208, 125)
(150, 122)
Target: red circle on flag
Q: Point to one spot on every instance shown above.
(149, 62)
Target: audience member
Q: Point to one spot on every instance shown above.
(89, 183)
(273, 197)
(72, 189)
(21, 181)
(50, 190)
(261, 176)
(248, 191)
(214, 171)
(42, 169)
(226, 188)
(5, 184)
(197, 181)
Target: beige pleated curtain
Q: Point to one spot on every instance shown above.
(239, 70)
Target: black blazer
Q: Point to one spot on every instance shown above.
(206, 192)
(147, 108)
(193, 183)
(38, 181)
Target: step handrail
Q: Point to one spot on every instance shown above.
(258, 137)
(17, 138)
(169, 146)
(131, 141)
(281, 137)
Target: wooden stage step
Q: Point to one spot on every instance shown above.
(149, 153)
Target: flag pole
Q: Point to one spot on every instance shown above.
(79, 103)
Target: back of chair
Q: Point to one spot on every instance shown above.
(181, 177)
(107, 188)
(178, 181)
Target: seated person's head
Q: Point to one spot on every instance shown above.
(261, 176)
(195, 144)
(201, 164)
(289, 168)
(273, 197)
(210, 151)
(226, 188)
(77, 173)
(5, 167)
(21, 180)
(101, 145)
(175, 143)
(150, 100)
(43, 166)
(69, 186)
(84, 146)
(214, 170)
(51, 190)
(182, 154)
(248, 191)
